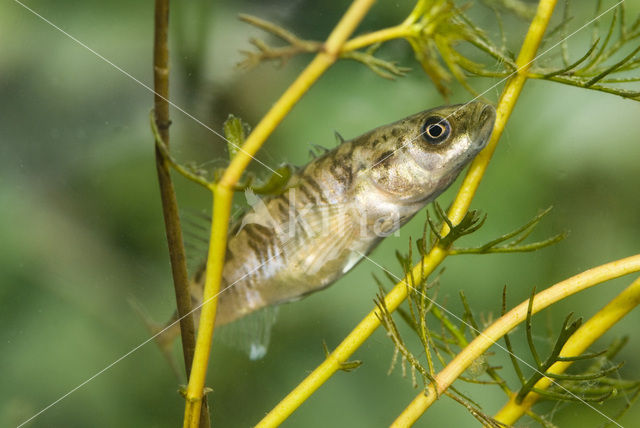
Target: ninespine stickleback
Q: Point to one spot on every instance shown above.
(342, 204)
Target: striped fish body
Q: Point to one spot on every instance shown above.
(341, 205)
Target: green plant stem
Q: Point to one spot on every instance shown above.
(167, 191)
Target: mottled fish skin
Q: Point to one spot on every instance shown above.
(342, 204)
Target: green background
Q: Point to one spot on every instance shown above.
(81, 227)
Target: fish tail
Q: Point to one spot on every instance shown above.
(164, 335)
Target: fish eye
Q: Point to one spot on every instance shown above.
(435, 130)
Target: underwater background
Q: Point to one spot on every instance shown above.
(82, 234)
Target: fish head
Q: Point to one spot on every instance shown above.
(445, 139)
(431, 149)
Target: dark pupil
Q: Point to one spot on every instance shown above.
(435, 131)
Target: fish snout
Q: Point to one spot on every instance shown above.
(488, 115)
(485, 119)
(484, 113)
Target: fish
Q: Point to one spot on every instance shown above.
(341, 205)
(332, 213)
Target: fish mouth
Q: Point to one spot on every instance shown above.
(485, 116)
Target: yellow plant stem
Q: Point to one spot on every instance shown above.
(386, 34)
(505, 324)
(429, 263)
(222, 198)
(507, 102)
(584, 337)
(223, 194)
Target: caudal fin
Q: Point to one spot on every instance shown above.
(164, 335)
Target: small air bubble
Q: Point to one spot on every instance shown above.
(257, 351)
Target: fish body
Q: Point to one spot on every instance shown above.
(339, 206)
